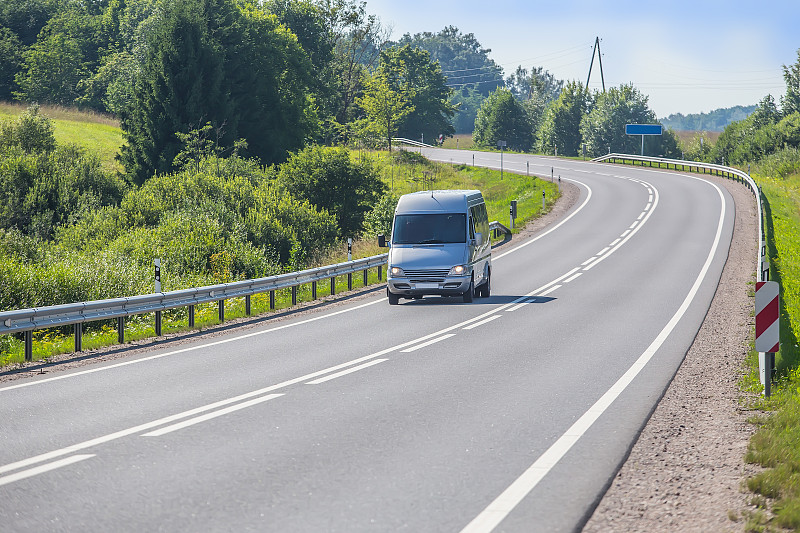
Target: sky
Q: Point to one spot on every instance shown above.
(686, 56)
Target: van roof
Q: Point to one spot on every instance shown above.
(450, 201)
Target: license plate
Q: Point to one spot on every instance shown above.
(427, 285)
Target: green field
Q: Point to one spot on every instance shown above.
(96, 133)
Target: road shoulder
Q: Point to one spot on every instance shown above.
(686, 470)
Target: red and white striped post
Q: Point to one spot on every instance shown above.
(767, 329)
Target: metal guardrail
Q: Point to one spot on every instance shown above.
(762, 265)
(411, 142)
(29, 320)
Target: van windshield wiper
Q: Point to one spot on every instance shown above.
(431, 241)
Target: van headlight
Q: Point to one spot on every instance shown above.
(397, 271)
(457, 270)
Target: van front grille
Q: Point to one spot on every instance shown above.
(418, 276)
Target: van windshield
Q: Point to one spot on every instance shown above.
(430, 229)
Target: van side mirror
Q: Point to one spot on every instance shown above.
(382, 241)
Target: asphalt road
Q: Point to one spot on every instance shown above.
(511, 413)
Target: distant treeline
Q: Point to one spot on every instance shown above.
(715, 120)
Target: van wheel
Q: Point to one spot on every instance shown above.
(469, 292)
(485, 290)
(393, 298)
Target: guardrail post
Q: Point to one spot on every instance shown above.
(271, 300)
(294, 294)
(222, 310)
(121, 329)
(78, 337)
(380, 272)
(247, 305)
(191, 316)
(366, 274)
(350, 281)
(158, 323)
(29, 345)
(333, 285)
(313, 290)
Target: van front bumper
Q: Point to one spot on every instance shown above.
(450, 286)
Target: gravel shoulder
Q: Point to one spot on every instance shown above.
(686, 471)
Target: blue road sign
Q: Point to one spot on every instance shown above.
(643, 129)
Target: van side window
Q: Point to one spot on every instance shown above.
(472, 223)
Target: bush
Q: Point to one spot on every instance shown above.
(379, 220)
(780, 164)
(331, 180)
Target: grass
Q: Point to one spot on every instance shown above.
(99, 134)
(461, 141)
(401, 177)
(776, 445)
(419, 175)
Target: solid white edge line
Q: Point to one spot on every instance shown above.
(345, 372)
(496, 511)
(43, 468)
(625, 233)
(615, 241)
(428, 343)
(209, 416)
(482, 322)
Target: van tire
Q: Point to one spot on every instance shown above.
(393, 298)
(485, 290)
(469, 292)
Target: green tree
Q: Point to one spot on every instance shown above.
(503, 118)
(52, 69)
(181, 84)
(470, 72)
(790, 102)
(411, 72)
(385, 108)
(523, 85)
(358, 38)
(10, 61)
(26, 19)
(604, 125)
(331, 180)
(238, 69)
(750, 139)
(560, 129)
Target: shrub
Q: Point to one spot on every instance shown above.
(331, 180)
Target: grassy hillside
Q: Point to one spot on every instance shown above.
(97, 133)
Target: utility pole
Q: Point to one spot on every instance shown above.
(600, 58)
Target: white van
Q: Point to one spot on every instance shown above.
(439, 245)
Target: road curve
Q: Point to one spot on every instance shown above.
(512, 413)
